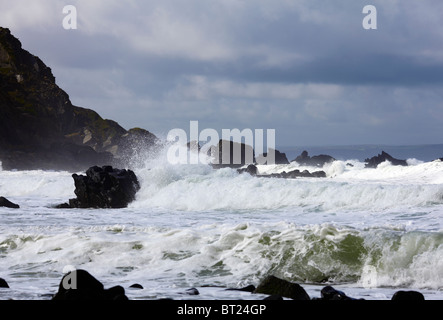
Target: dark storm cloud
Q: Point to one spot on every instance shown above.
(306, 68)
(373, 69)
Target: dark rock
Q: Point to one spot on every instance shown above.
(304, 174)
(249, 288)
(302, 157)
(315, 161)
(295, 174)
(104, 187)
(120, 297)
(275, 286)
(63, 206)
(81, 285)
(375, 161)
(115, 293)
(274, 297)
(231, 154)
(136, 286)
(83, 155)
(3, 283)
(280, 158)
(329, 293)
(319, 174)
(251, 169)
(408, 295)
(40, 128)
(192, 292)
(8, 204)
(135, 146)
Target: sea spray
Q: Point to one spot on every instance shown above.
(194, 226)
(199, 188)
(37, 183)
(233, 255)
(413, 259)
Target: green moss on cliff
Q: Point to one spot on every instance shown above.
(21, 101)
(101, 129)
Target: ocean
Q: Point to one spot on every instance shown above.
(367, 232)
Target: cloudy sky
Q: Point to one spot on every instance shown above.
(306, 68)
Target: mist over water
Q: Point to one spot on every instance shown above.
(193, 226)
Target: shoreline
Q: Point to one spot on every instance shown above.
(143, 240)
(137, 292)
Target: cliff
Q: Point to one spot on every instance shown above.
(41, 129)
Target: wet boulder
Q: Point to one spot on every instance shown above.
(330, 293)
(81, 285)
(8, 204)
(408, 295)
(192, 292)
(251, 169)
(304, 174)
(274, 286)
(3, 283)
(248, 288)
(104, 187)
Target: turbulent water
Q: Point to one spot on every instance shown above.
(368, 232)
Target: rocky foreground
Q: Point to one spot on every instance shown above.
(80, 285)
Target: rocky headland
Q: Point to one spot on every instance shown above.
(41, 129)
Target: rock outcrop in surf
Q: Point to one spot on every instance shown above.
(104, 187)
(280, 158)
(315, 161)
(231, 154)
(8, 204)
(375, 161)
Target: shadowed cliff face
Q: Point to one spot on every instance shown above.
(41, 129)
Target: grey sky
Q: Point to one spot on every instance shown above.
(306, 68)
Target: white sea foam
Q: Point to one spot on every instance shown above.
(229, 254)
(38, 187)
(192, 226)
(199, 188)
